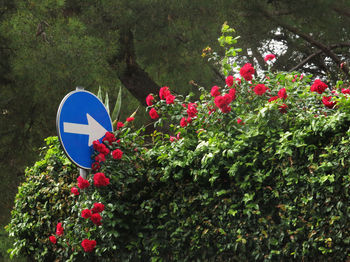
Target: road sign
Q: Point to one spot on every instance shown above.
(81, 119)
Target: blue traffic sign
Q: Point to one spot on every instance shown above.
(81, 119)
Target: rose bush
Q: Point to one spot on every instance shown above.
(256, 169)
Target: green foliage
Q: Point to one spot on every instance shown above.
(259, 181)
(42, 201)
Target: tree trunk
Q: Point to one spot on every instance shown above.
(132, 76)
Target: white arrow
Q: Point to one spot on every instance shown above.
(93, 129)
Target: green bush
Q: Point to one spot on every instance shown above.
(43, 200)
(261, 174)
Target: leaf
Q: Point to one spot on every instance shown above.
(107, 103)
(118, 103)
(133, 114)
(99, 94)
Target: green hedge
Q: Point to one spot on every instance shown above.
(243, 179)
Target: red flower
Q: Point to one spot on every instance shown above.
(269, 57)
(282, 93)
(222, 102)
(95, 166)
(229, 81)
(53, 239)
(109, 137)
(120, 125)
(130, 119)
(153, 114)
(98, 208)
(164, 92)
(170, 99)
(88, 245)
(326, 100)
(82, 183)
(240, 121)
(96, 219)
(100, 180)
(101, 148)
(345, 91)
(215, 91)
(183, 122)
(260, 89)
(172, 138)
(318, 86)
(232, 93)
(247, 71)
(273, 98)
(238, 80)
(86, 213)
(192, 109)
(59, 229)
(75, 191)
(117, 154)
(283, 108)
(149, 100)
(100, 157)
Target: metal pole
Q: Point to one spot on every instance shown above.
(83, 172)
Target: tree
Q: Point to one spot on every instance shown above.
(49, 48)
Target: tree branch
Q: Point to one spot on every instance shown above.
(302, 63)
(310, 40)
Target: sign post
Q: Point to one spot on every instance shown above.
(81, 119)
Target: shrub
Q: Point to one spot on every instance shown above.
(256, 170)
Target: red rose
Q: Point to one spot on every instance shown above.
(170, 99)
(153, 114)
(345, 91)
(149, 100)
(269, 57)
(100, 157)
(282, 93)
(326, 100)
(88, 245)
(95, 166)
(86, 213)
(96, 219)
(59, 229)
(273, 98)
(260, 89)
(98, 208)
(283, 108)
(74, 191)
(120, 125)
(53, 239)
(240, 121)
(100, 180)
(183, 122)
(117, 154)
(192, 110)
(318, 86)
(130, 119)
(82, 183)
(215, 91)
(247, 71)
(109, 137)
(101, 148)
(232, 93)
(229, 81)
(164, 92)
